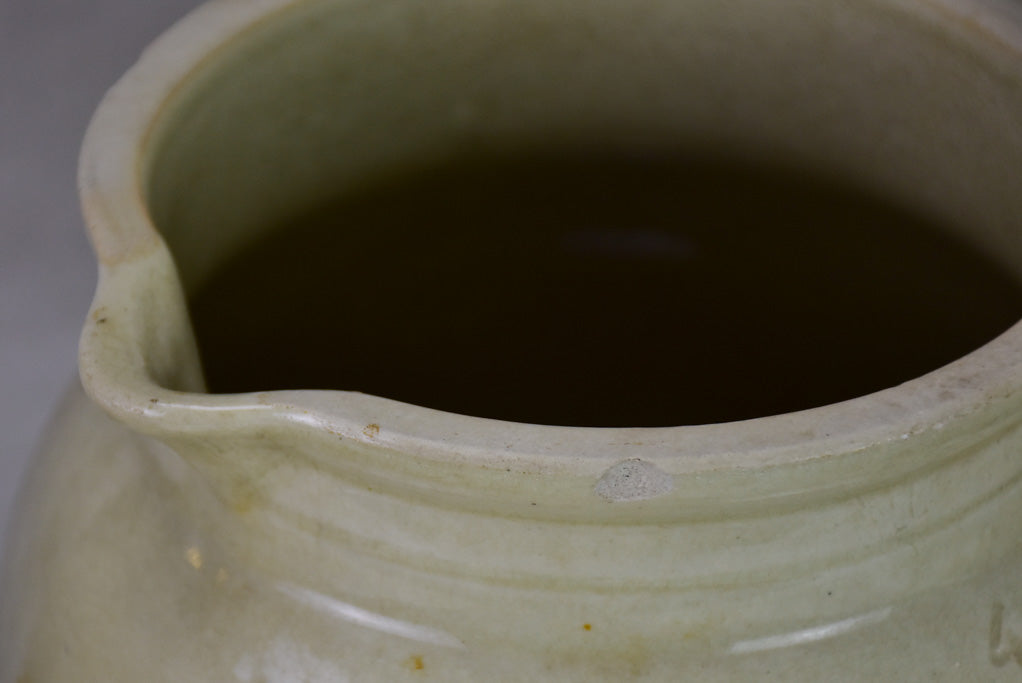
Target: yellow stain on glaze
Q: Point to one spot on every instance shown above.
(194, 557)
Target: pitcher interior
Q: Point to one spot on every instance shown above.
(601, 214)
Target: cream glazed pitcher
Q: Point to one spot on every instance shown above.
(172, 532)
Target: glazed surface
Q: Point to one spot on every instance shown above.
(252, 593)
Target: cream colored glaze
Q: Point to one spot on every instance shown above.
(168, 534)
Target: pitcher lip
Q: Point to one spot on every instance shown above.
(116, 372)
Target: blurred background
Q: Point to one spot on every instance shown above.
(57, 58)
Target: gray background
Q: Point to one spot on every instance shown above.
(57, 58)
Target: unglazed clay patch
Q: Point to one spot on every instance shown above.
(634, 480)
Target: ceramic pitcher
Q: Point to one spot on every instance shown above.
(171, 534)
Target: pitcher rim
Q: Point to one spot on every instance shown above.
(116, 372)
